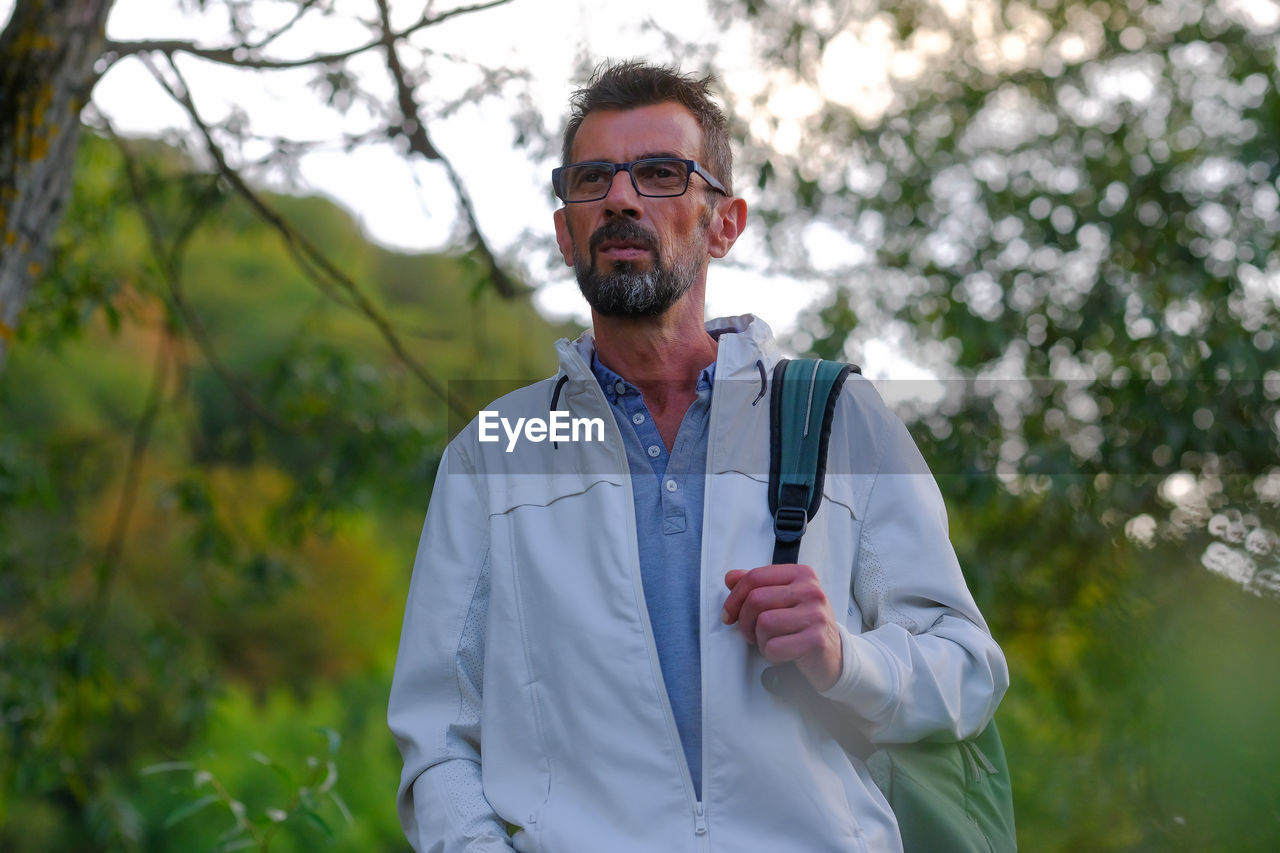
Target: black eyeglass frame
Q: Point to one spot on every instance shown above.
(694, 167)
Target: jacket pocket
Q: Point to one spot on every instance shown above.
(517, 761)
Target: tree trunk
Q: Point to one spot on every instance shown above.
(47, 55)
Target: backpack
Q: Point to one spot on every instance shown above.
(945, 796)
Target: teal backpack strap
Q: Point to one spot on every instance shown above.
(801, 406)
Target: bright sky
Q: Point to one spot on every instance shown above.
(408, 204)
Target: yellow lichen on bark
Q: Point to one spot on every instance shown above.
(33, 38)
(32, 137)
(41, 104)
(33, 41)
(38, 149)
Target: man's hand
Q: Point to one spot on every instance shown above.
(782, 609)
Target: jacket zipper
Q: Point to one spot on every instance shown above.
(700, 813)
(699, 810)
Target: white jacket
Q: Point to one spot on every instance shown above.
(527, 689)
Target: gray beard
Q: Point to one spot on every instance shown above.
(627, 293)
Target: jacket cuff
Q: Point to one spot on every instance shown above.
(867, 682)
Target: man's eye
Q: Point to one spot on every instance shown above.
(591, 176)
(665, 174)
(657, 171)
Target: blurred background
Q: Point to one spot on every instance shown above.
(254, 253)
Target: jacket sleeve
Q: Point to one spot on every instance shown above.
(922, 663)
(434, 708)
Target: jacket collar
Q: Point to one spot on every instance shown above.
(743, 341)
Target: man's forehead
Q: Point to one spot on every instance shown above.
(657, 130)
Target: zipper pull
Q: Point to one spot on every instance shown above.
(699, 818)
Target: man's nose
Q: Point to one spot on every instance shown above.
(622, 198)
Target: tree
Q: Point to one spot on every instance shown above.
(1071, 209)
(47, 56)
(214, 486)
(1069, 212)
(52, 53)
(240, 398)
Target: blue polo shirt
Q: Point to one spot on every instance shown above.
(668, 489)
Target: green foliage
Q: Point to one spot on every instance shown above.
(213, 470)
(301, 796)
(259, 749)
(1069, 212)
(213, 465)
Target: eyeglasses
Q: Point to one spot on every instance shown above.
(655, 177)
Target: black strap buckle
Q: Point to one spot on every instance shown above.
(789, 523)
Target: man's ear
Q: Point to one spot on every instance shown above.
(727, 221)
(563, 240)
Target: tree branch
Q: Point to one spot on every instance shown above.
(170, 271)
(413, 129)
(240, 56)
(237, 56)
(303, 8)
(310, 259)
(105, 571)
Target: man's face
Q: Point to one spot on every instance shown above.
(636, 256)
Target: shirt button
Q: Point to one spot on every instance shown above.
(654, 450)
(671, 485)
(637, 418)
(620, 387)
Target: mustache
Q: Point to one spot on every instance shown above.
(624, 230)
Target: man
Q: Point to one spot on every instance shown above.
(591, 624)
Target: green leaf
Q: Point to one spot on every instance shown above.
(277, 768)
(342, 806)
(310, 815)
(234, 835)
(187, 810)
(167, 767)
(330, 777)
(766, 173)
(334, 737)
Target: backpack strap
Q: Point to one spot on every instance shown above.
(801, 406)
